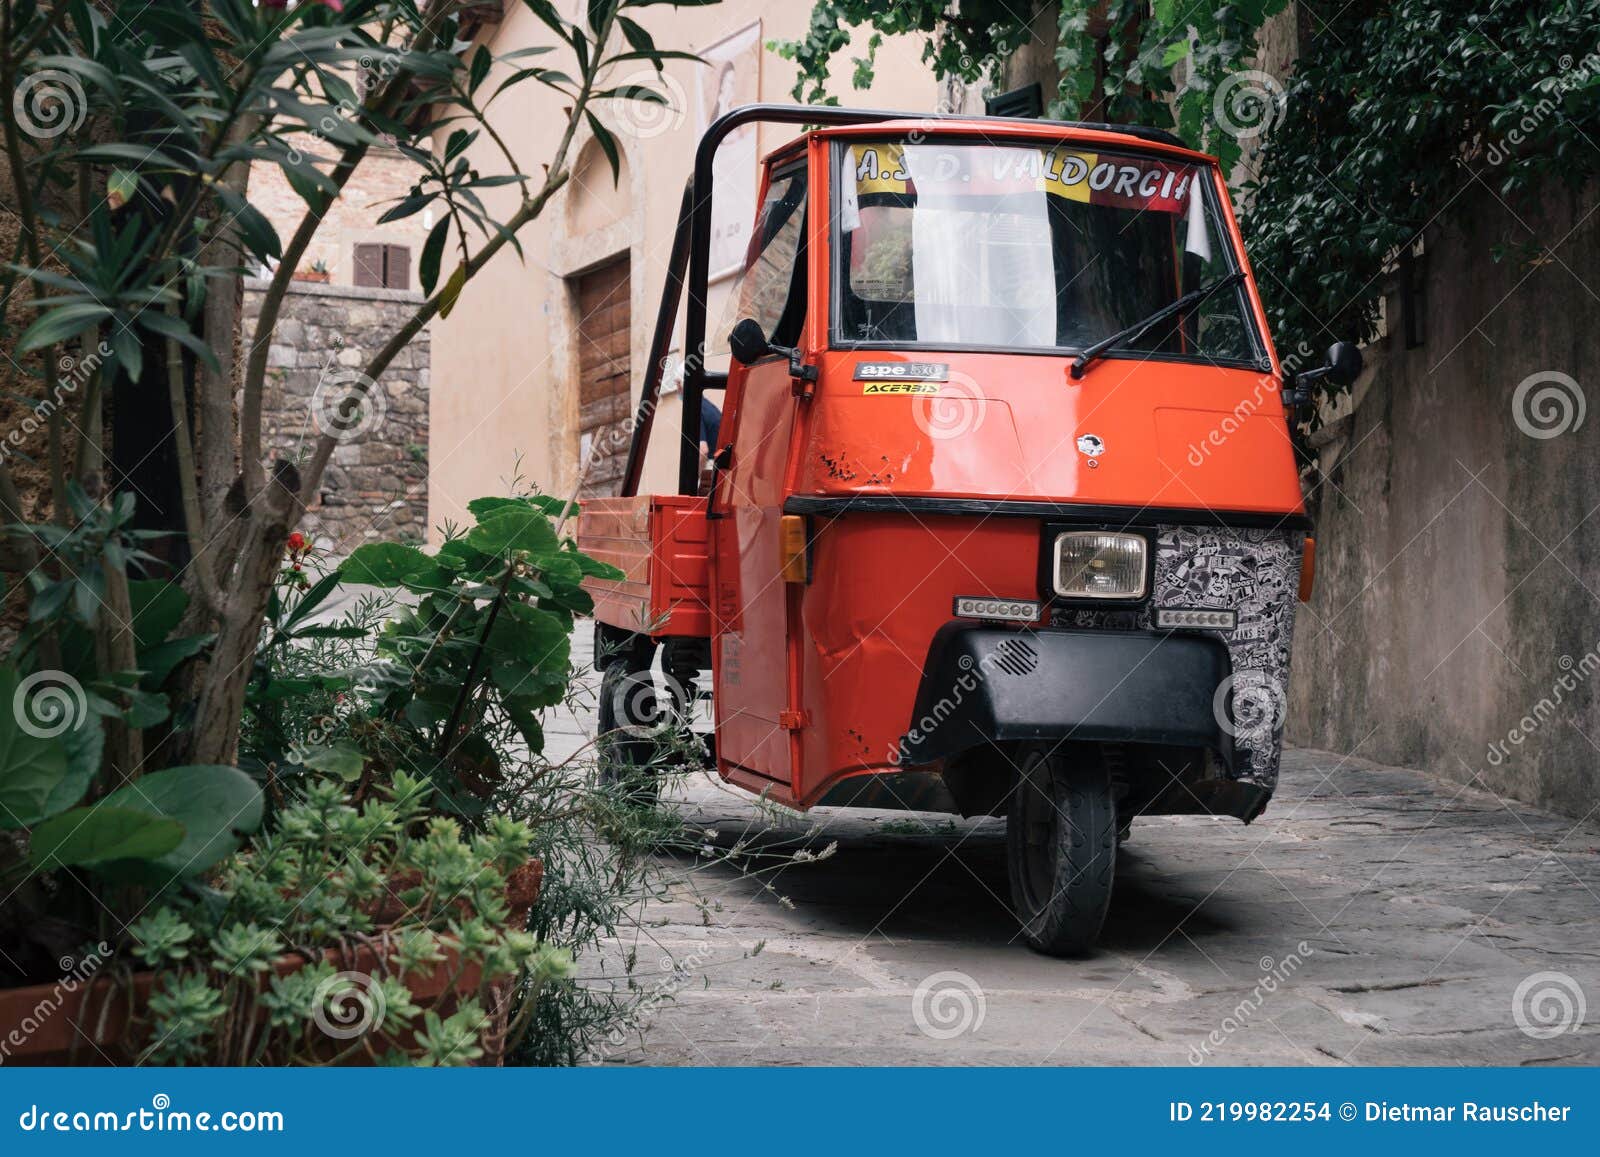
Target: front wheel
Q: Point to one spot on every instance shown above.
(1061, 848)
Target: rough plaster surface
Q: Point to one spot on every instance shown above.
(1458, 556)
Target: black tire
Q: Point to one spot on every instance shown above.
(628, 712)
(1061, 848)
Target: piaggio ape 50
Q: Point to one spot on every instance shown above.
(1003, 517)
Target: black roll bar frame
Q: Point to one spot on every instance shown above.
(691, 248)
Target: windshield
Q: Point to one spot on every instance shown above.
(1030, 247)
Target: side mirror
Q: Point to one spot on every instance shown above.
(747, 342)
(1344, 363)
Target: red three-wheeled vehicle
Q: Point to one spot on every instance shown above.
(1003, 516)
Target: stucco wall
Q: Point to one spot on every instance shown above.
(508, 349)
(376, 486)
(1456, 618)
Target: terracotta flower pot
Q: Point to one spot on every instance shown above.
(319, 276)
(99, 1021)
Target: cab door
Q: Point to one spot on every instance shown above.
(750, 650)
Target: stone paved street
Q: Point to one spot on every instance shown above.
(1422, 906)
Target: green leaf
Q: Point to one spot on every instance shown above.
(121, 186)
(159, 661)
(432, 252)
(513, 529)
(157, 607)
(384, 564)
(102, 834)
(32, 767)
(607, 143)
(452, 291)
(56, 325)
(216, 806)
(343, 759)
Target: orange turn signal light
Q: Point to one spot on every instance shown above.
(792, 547)
(1308, 569)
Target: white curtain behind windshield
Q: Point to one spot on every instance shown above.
(1028, 248)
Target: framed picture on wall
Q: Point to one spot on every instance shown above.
(731, 77)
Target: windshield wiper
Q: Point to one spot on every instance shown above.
(1136, 330)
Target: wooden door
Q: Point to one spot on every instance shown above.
(605, 396)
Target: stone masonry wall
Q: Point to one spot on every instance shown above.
(376, 486)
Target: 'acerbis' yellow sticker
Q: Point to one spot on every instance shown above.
(920, 389)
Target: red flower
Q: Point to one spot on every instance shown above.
(297, 542)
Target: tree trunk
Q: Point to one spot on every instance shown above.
(266, 525)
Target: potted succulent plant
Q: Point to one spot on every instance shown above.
(345, 936)
(318, 272)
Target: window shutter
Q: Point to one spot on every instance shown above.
(369, 265)
(397, 266)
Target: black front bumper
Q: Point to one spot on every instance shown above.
(983, 684)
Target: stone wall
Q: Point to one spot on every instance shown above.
(1456, 620)
(376, 486)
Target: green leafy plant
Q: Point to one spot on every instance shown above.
(91, 842)
(476, 649)
(137, 224)
(378, 934)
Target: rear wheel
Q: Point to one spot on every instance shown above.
(630, 716)
(1061, 848)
